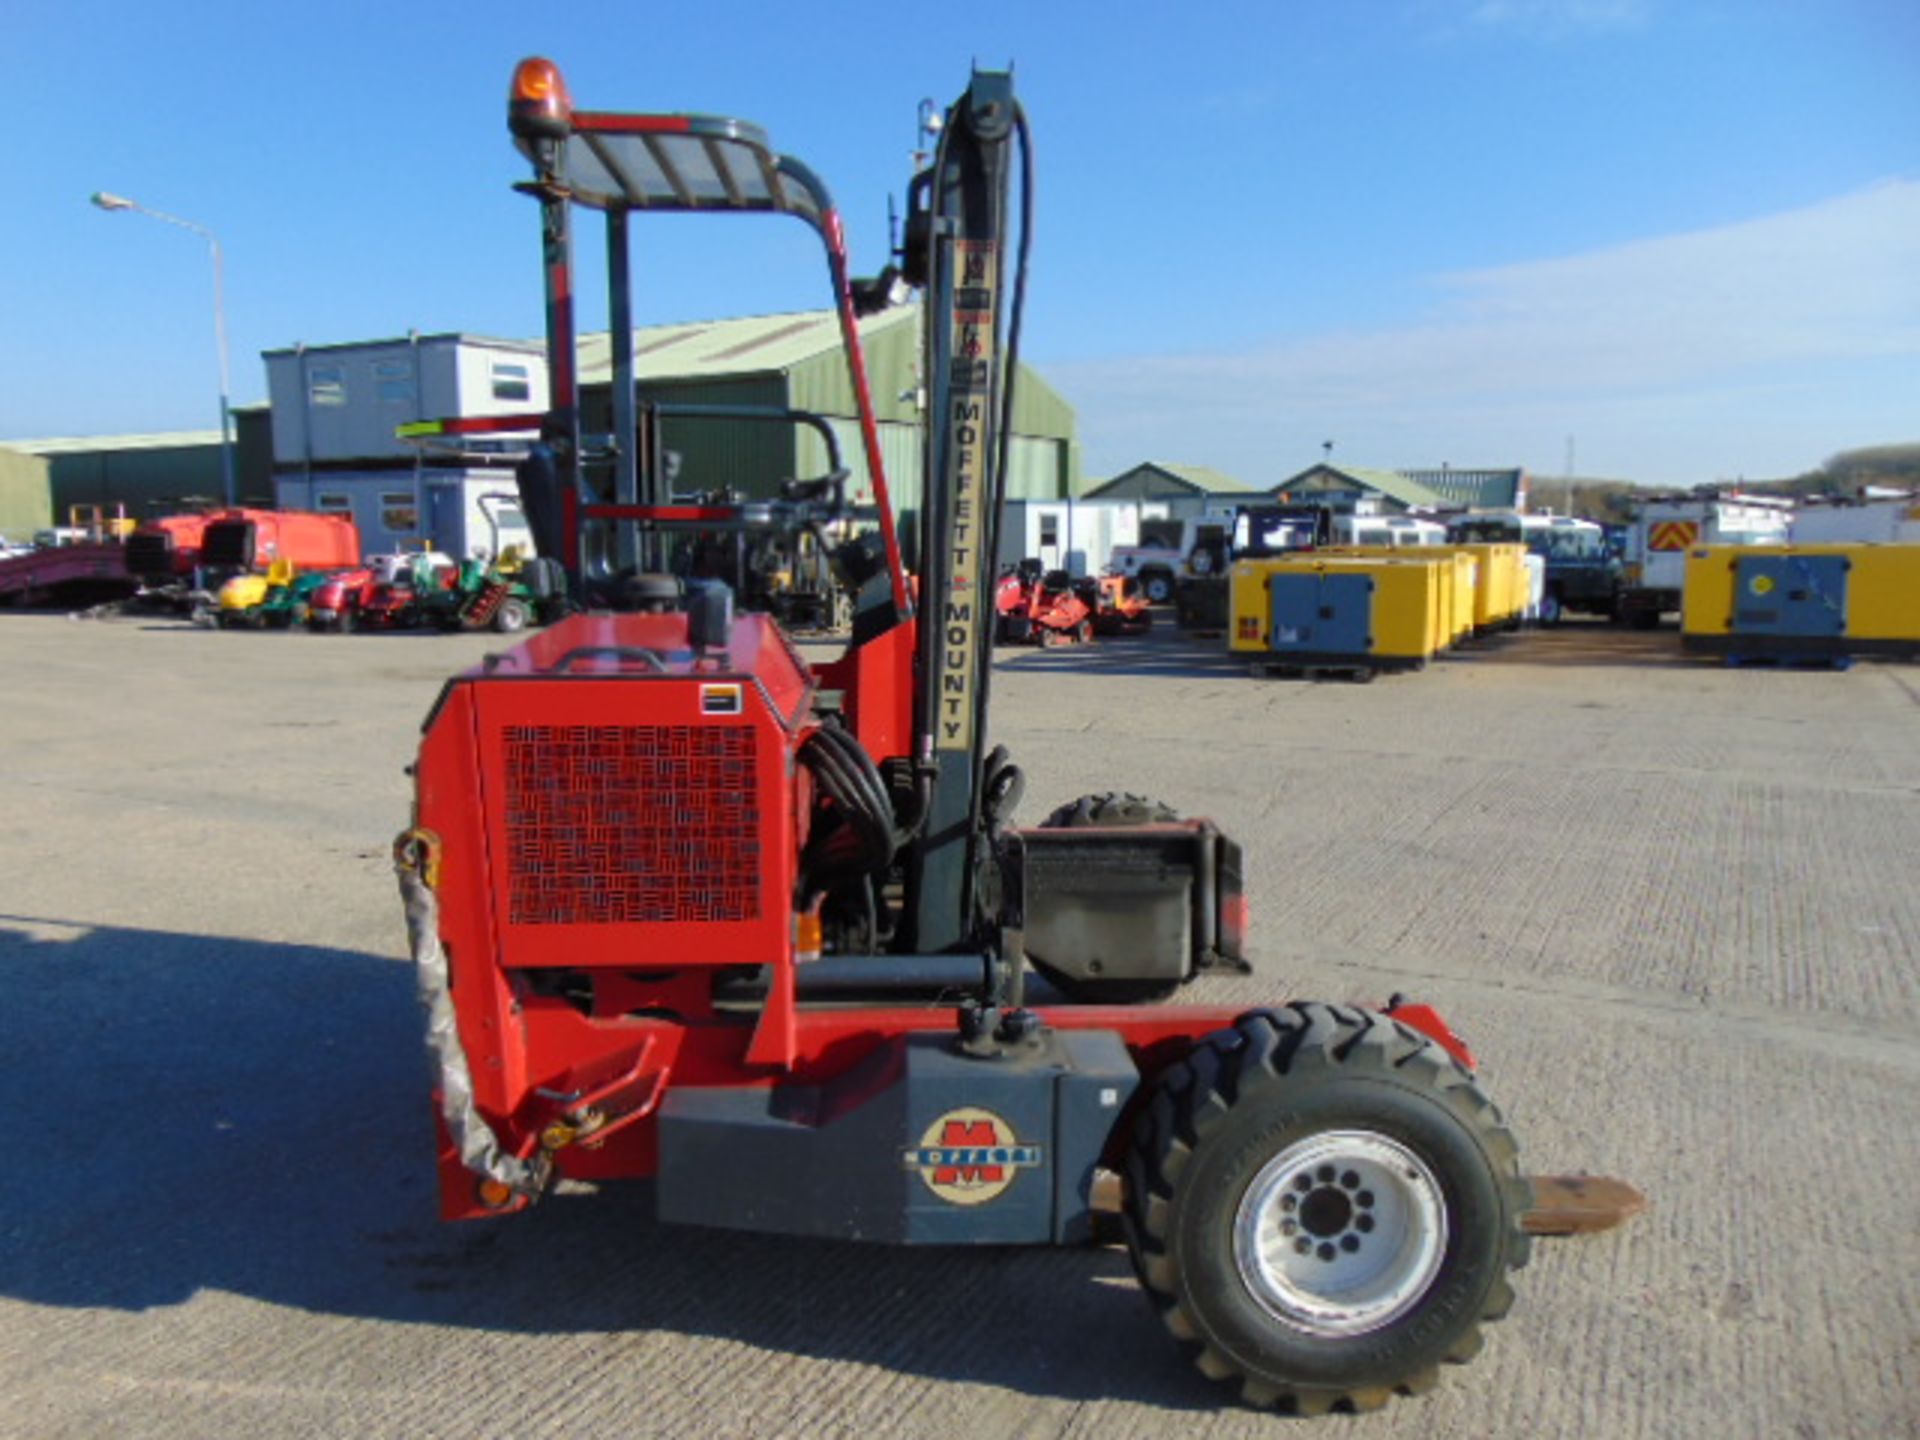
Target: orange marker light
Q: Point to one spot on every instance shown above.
(538, 102)
(494, 1194)
(806, 937)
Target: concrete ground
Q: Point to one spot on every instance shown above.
(1672, 906)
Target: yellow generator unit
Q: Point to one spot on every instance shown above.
(1501, 585)
(1459, 579)
(1500, 582)
(1769, 603)
(1328, 613)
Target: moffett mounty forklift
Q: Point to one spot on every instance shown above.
(689, 908)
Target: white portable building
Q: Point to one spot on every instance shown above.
(335, 410)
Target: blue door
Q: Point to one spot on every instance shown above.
(1322, 614)
(1797, 595)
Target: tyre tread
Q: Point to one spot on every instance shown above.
(1263, 1049)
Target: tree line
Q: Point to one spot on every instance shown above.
(1846, 473)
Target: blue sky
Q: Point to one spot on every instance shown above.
(1686, 235)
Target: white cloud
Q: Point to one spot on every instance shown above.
(1813, 309)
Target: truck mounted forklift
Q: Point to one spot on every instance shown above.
(686, 907)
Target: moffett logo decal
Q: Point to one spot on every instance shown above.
(970, 1156)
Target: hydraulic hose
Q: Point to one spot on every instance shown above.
(1004, 440)
(867, 839)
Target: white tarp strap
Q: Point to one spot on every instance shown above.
(480, 1149)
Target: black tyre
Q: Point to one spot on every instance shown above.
(1111, 807)
(511, 617)
(1323, 1206)
(1157, 586)
(1551, 610)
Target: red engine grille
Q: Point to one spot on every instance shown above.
(625, 824)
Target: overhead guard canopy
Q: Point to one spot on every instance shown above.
(683, 163)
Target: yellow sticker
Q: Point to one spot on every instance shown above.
(720, 700)
(1761, 585)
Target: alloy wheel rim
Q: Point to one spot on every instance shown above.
(1341, 1233)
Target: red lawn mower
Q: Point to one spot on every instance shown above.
(1041, 607)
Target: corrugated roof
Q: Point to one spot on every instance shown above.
(1198, 478)
(82, 444)
(1391, 483)
(749, 345)
(459, 337)
(1213, 482)
(1475, 489)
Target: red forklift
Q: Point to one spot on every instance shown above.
(685, 906)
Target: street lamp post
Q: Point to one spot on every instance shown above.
(119, 202)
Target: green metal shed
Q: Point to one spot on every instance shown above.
(159, 474)
(793, 361)
(26, 495)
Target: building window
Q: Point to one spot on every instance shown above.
(393, 381)
(1049, 530)
(512, 381)
(333, 502)
(398, 511)
(327, 385)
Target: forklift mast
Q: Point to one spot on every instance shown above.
(955, 249)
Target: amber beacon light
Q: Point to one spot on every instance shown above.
(538, 103)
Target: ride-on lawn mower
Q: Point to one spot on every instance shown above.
(1120, 605)
(504, 597)
(1033, 606)
(276, 599)
(686, 906)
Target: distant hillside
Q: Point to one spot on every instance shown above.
(1592, 498)
(1845, 473)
